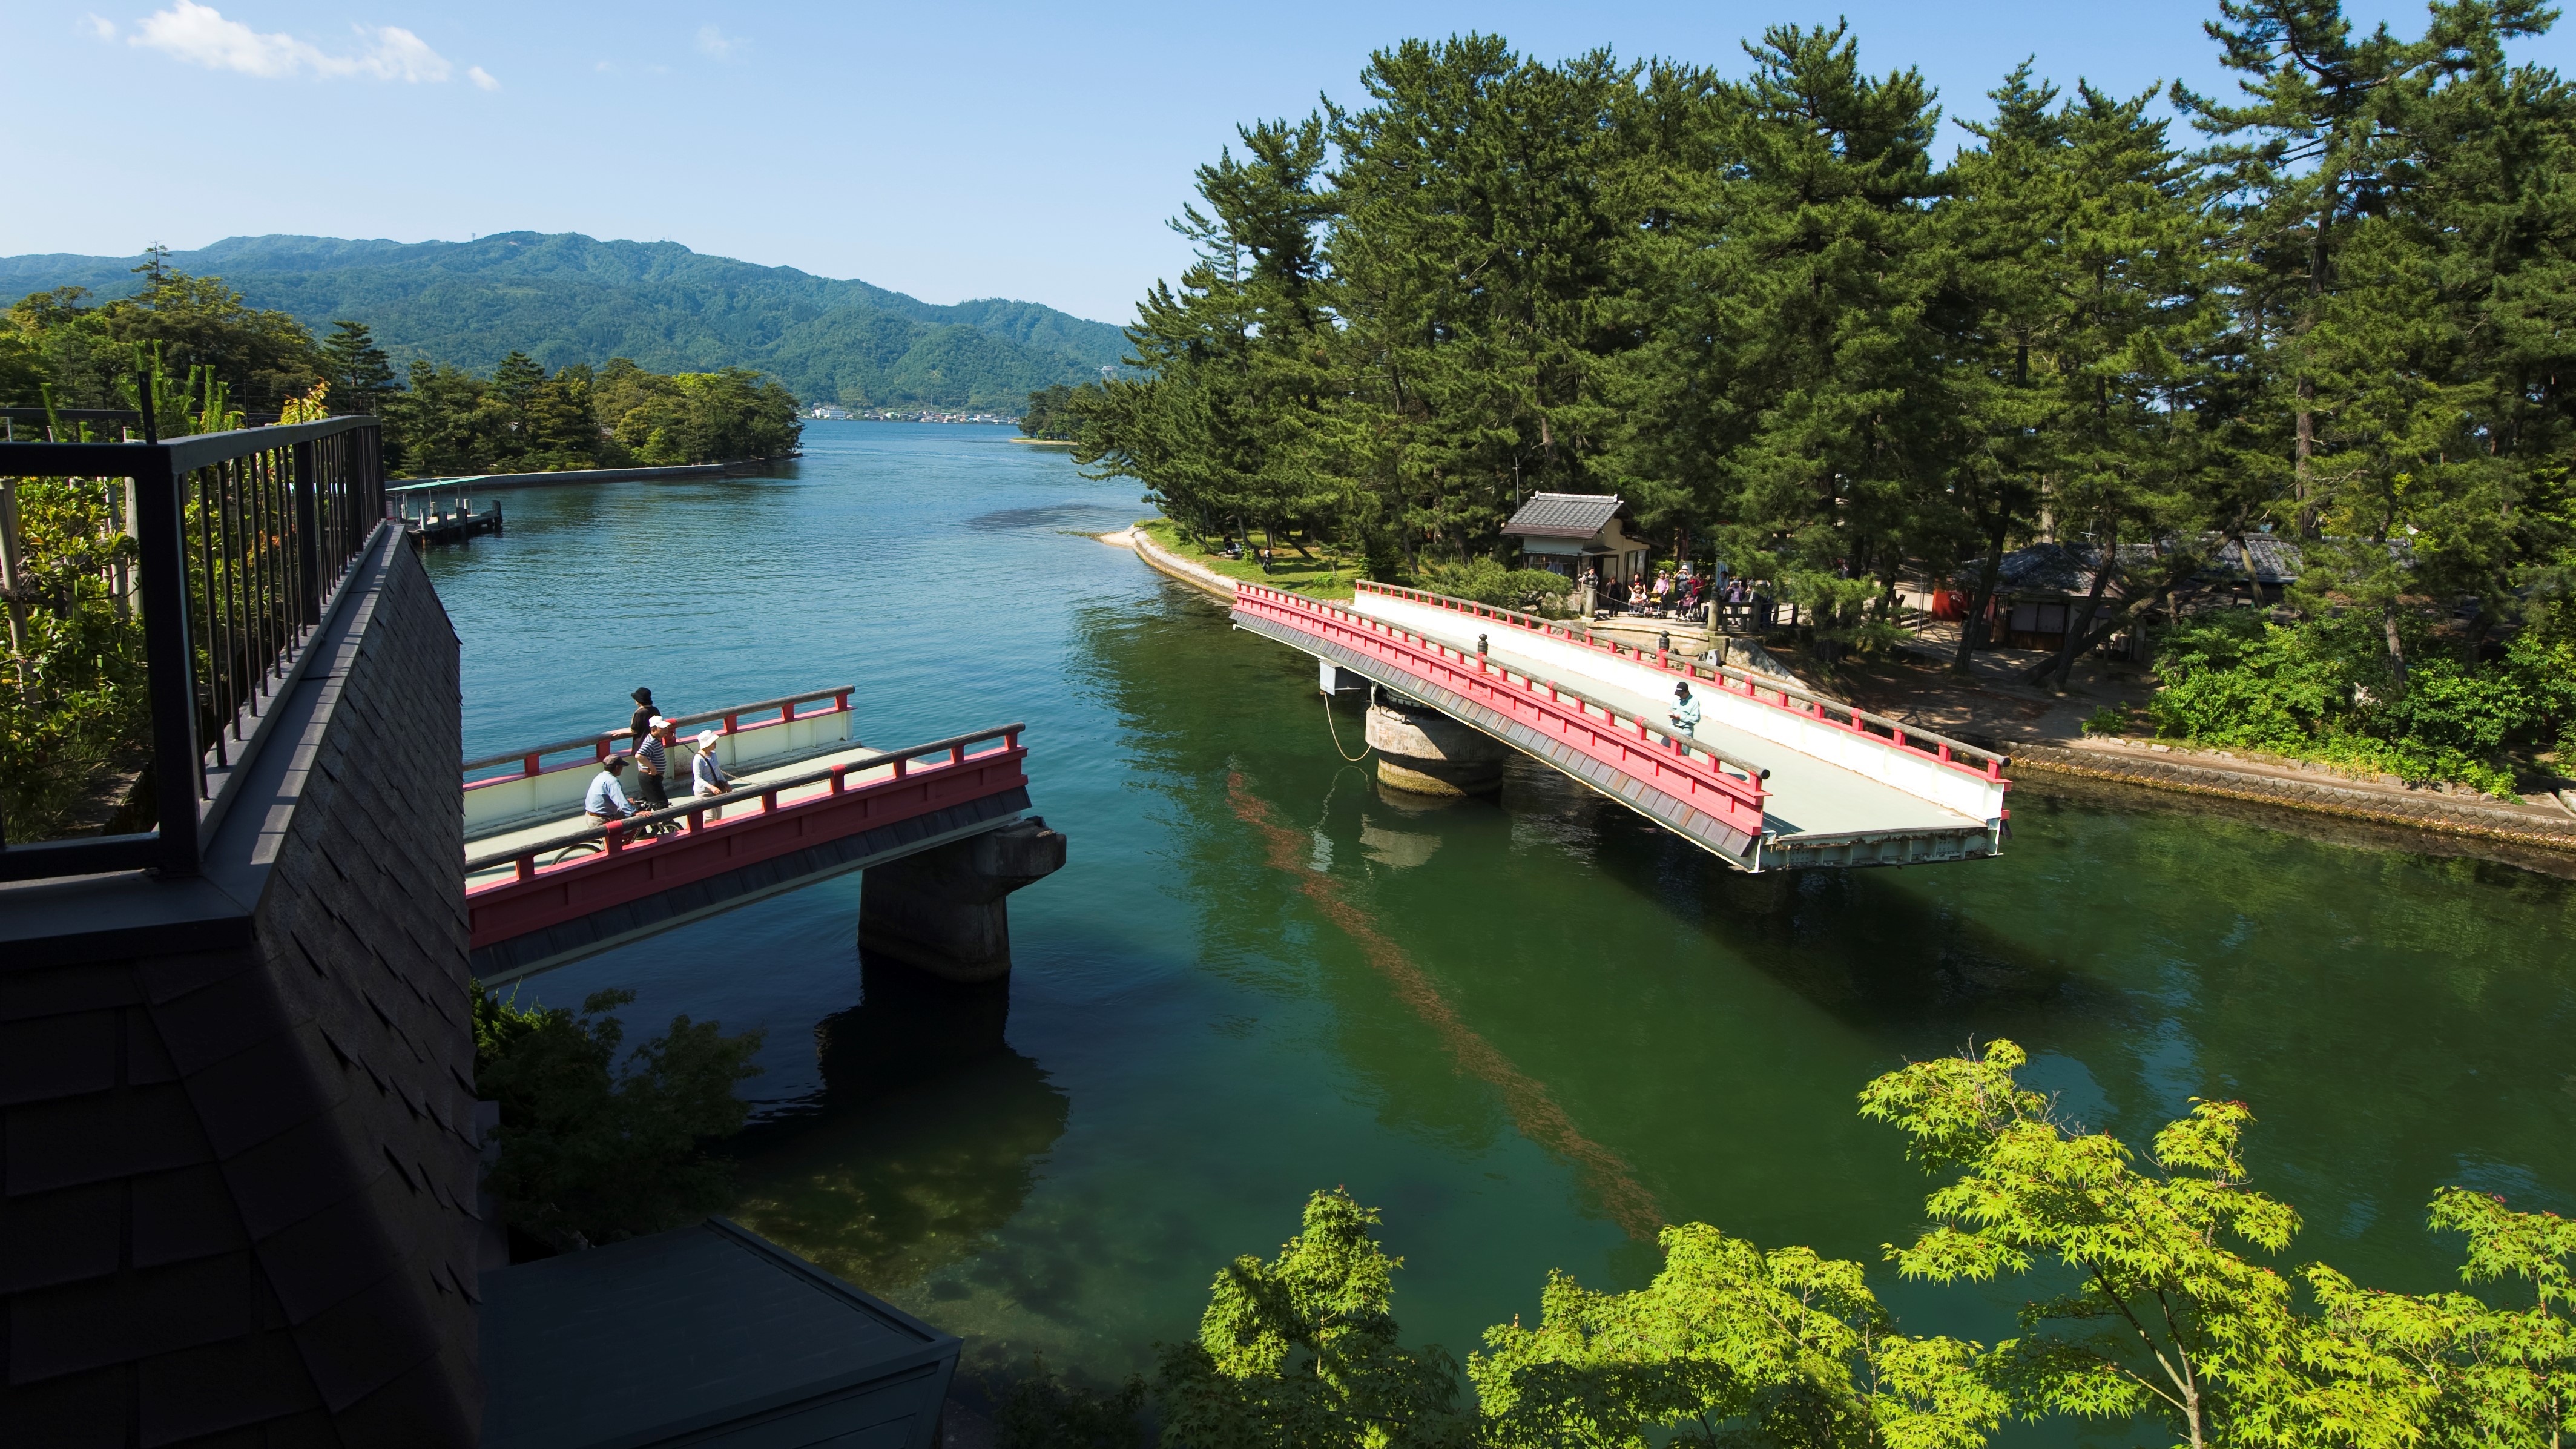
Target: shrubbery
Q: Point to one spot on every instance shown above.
(2324, 689)
(600, 1148)
(1488, 582)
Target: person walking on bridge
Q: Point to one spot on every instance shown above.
(606, 801)
(653, 763)
(1685, 714)
(706, 773)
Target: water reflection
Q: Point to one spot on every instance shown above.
(926, 1137)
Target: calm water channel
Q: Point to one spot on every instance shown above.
(1527, 1030)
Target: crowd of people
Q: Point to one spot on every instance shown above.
(653, 741)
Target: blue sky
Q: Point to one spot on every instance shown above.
(949, 152)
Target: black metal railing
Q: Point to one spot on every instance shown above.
(240, 540)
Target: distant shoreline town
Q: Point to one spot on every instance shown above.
(830, 412)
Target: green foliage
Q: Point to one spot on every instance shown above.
(1728, 1344)
(1044, 1412)
(2110, 719)
(73, 704)
(1301, 1353)
(2325, 689)
(86, 353)
(564, 299)
(1056, 412)
(695, 417)
(526, 420)
(2162, 1308)
(599, 1143)
(1488, 582)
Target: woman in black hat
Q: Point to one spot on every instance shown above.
(644, 712)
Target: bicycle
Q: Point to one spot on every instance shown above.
(651, 830)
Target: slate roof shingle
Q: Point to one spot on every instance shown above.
(1564, 515)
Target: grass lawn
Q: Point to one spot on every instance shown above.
(1313, 577)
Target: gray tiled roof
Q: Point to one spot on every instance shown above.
(1564, 515)
(2067, 568)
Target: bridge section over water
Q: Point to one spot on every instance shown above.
(1774, 778)
(545, 886)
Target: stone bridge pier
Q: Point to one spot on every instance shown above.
(945, 911)
(1421, 750)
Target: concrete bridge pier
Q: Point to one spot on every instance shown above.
(944, 910)
(1426, 752)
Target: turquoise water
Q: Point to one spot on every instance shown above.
(1527, 1030)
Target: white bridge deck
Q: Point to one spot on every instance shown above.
(1842, 787)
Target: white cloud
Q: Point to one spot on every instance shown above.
(200, 35)
(102, 27)
(713, 42)
(482, 78)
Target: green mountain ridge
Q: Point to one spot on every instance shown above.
(567, 298)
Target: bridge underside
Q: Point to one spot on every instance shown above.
(572, 939)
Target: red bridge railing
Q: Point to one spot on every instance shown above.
(1954, 754)
(1630, 746)
(598, 747)
(758, 823)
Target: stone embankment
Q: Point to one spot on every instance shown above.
(2225, 777)
(1197, 576)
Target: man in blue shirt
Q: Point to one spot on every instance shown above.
(1685, 712)
(606, 801)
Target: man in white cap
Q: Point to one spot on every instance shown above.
(706, 774)
(653, 764)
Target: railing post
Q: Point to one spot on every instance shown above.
(527, 866)
(178, 764)
(308, 532)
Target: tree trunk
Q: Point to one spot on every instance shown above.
(2103, 568)
(2396, 649)
(1972, 629)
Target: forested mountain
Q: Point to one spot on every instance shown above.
(568, 299)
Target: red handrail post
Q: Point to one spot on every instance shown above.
(616, 838)
(527, 764)
(768, 802)
(899, 770)
(840, 701)
(527, 866)
(840, 778)
(1010, 739)
(956, 754)
(787, 711)
(733, 723)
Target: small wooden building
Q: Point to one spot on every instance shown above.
(2040, 590)
(1567, 533)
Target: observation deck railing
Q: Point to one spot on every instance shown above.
(230, 550)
